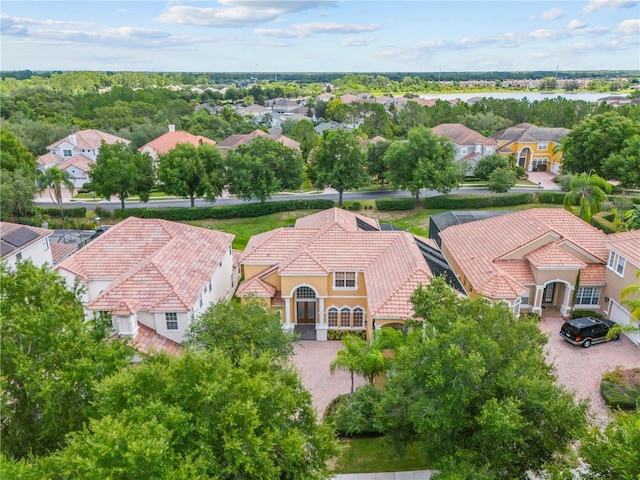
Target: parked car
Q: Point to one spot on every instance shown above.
(586, 331)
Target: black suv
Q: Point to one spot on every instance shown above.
(586, 331)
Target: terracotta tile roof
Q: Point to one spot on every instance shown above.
(519, 270)
(234, 141)
(60, 251)
(256, 286)
(552, 256)
(79, 161)
(593, 274)
(169, 140)
(390, 261)
(331, 216)
(502, 285)
(89, 139)
(161, 265)
(529, 133)
(48, 158)
(462, 135)
(626, 244)
(480, 247)
(148, 341)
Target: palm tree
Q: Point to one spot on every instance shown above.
(589, 191)
(630, 296)
(56, 179)
(632, 218)
(348, 359)
(361, 357)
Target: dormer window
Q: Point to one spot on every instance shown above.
(344, 280)
(67, 153)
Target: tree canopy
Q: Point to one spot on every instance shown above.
(187, 171)
(55, 180)
(52, 360)
(481, 400)
(14, 155)
(121, 171)
(338, 162)
(424, 161)
(593, 140)
(589, 191)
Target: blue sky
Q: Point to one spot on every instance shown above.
(320, 35)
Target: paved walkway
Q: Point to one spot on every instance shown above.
(413, 475)
(545, 179)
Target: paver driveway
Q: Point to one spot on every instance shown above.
(580, 369)
(312, 360)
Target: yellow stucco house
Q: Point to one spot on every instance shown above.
(535, 148)
(334, 271)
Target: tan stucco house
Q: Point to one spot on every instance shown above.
(543, 259)
(334, 271)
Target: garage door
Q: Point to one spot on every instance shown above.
(621, 316)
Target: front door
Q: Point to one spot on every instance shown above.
(306, 311)
(548, 293)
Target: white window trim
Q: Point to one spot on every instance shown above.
(174, 318)
(543, 145)
(516, 306)
(591, 297)
(615, 261)
(355, 280)
(622, 262)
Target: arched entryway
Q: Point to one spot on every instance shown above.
(306, 305)
(524, 157)
(556, 298)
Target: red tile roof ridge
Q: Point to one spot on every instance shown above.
(148, 341)
(551, 254)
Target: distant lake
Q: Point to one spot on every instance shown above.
(531, 96)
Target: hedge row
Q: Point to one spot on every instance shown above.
(603, 222)
(471, 202)
(74, 212)
(245, 210)
(391, 204)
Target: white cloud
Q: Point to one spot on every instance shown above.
(301, 30)
(629, 27)
(575, 24)
(18, 21)
(595, 5)
(357, 42)
(236, 13)
(552, 14)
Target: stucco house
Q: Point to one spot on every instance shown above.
(470, 145)
(23, 242)
(153, 277)
(334, 271)
(622, 270)
(533, 147)
(76, 153)
(234, 141)
(168, 141)
(543, 259)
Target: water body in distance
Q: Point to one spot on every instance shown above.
(531, 96)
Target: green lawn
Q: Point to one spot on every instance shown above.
(369, 455)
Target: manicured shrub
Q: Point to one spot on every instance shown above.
(339, 334)
(551, 197)
(473, 202)
(487, 165)
(353, 415)
(621, 388)
(354, 206)
(501, 180)
(73, 212)
(586, 313)
(602, 221)
(393, 204)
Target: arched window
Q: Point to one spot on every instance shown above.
(358, 317)
(332, 317)
(345, 317)
(305, 293)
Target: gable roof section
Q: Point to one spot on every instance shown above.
(89, 139)
(149, 341)
(552, 256)
(234, 141)
(161, 265)
(462, 135)
(169, 140)
(79, 161)
(479, 247)
(344, 218)
(626, 244)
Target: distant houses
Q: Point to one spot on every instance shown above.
(168, 141)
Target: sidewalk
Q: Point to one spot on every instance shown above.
(412, 475)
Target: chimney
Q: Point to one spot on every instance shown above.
(172, 128)
(72, 139)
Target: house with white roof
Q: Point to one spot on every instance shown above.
(335, 271)
(76, 153)
(153, 277)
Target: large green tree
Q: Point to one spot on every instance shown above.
(614, 452)
(17, 191)
(262, 168)
(241, 328)
(374, 154)
(589, 191)
(14, 155)
(51, 360)
(625, 165)
(472, 385)
(187, 171)
(594, 139)
(200, 415)
(54, 180)
(487, 164)
(424, 161)
(338, 162)
(122, 172)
